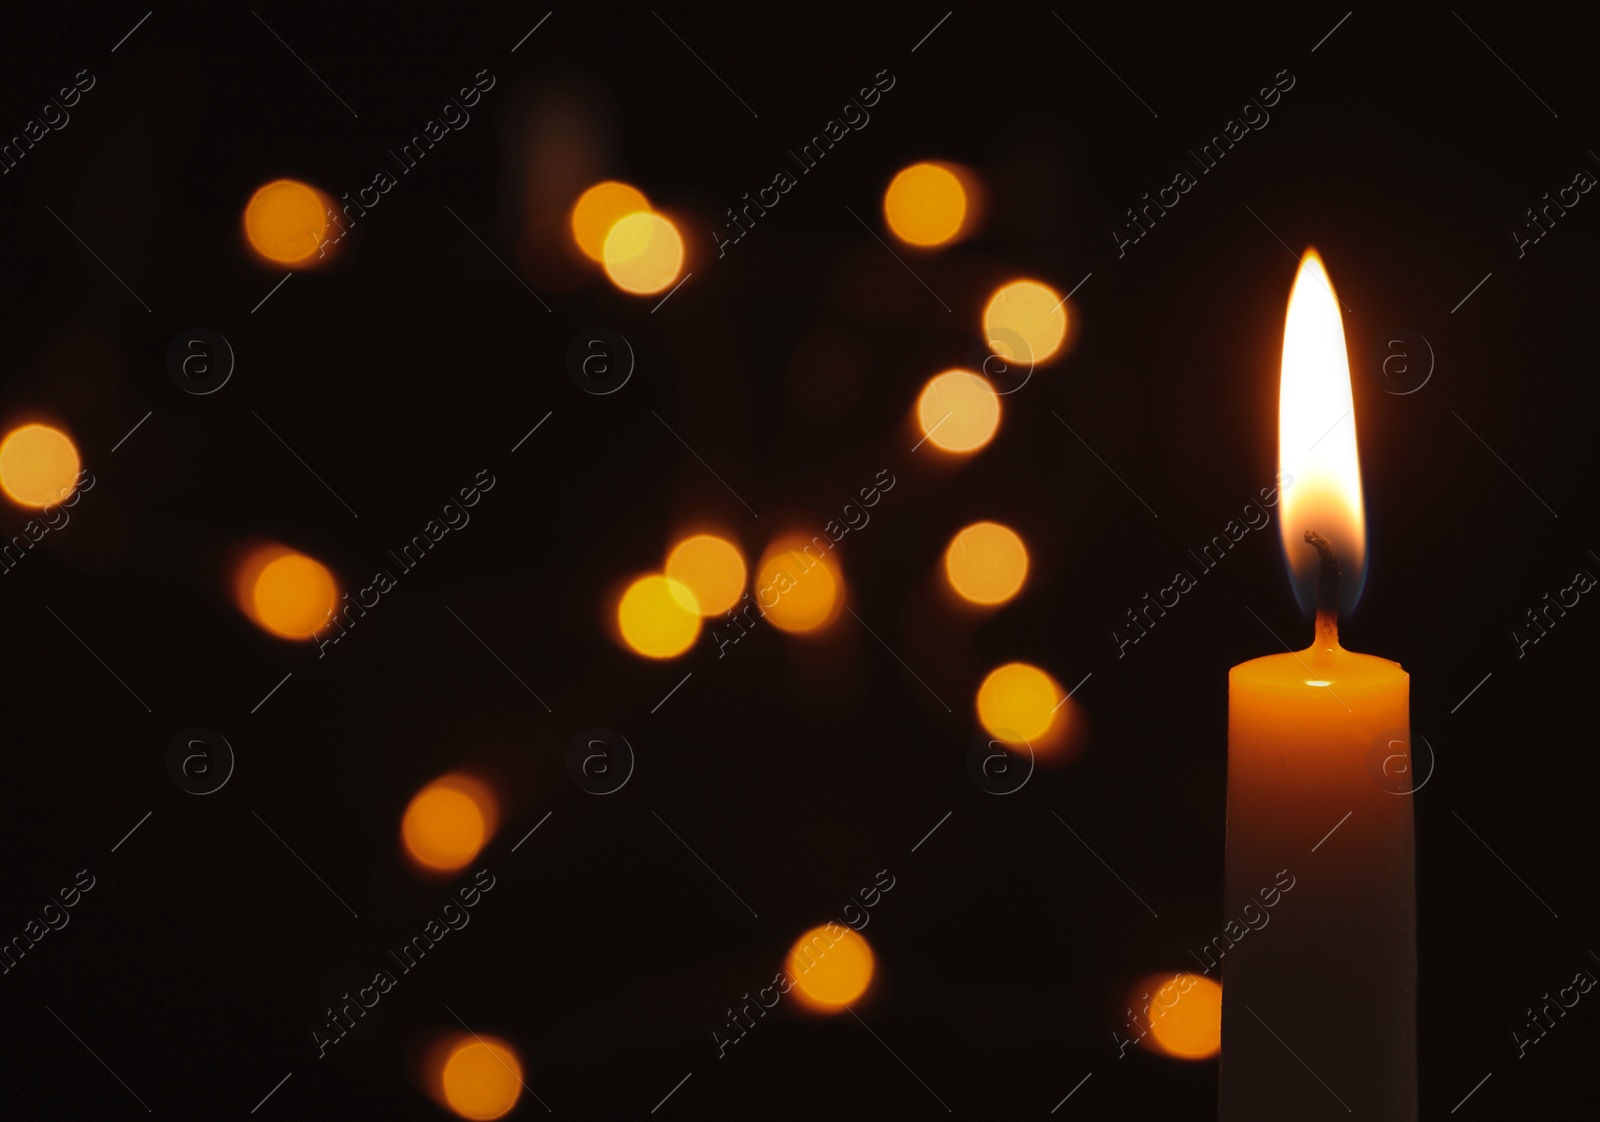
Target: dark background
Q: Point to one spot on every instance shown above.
(206, 953)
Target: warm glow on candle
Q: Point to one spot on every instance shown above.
(1317, 439)
(1302, 791)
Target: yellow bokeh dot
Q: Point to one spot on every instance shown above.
(958, 411)
(1025, 321)
(925, 204)
(831, 966)
(712, 568)
(482, 1078)
(659, 617)
(643, 253)
(600, 208)
(289, 594)
(986, 563)
(1186, 1016)
(286, 221)
(798, 585)
(447, 823)
(1018, 700)
(38, 465)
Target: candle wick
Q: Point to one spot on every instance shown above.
(1327, 640)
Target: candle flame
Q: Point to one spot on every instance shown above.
(1320, 470)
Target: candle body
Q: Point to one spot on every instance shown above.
(1319, 1000)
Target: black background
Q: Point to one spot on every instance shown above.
(206, 953)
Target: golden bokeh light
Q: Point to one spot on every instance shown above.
(285, 592)
(481, 1077)
(38, 465)
(986, 563)
(831, 966)
(449, 821)
(925, 204)
(643, 253)
(659, 617)
(1018, 700)
(799, 585)
(286, 221)
(712, 568)
(1185, 1015)
(599, 209)
(958, 411)
(1025, 321)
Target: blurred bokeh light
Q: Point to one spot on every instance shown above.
(986, 563)
(286, 221)
(800, 591)
(830, 971)
(925, 204)
(284, 592)
(643, 253)
(958, 411)
(599, 209)
(1185, 1015)
(449, 821)
(38, 465)
(1025, 321)
(712, 568)
(474, 1075)
(659, 617)
(1019, 699)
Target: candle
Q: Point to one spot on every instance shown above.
(1319, 1004)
